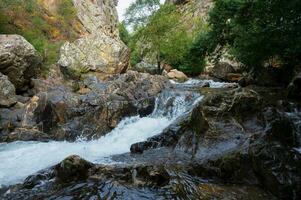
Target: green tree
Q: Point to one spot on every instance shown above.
(166, 36)
(138, 13)
(123, 33)
(158, 30)
(256, 33)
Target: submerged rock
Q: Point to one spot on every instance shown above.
(18, 60)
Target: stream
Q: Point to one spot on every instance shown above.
(21, 159)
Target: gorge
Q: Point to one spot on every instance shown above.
(78, 120)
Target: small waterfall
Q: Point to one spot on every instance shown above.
(172, 104)
(21, 159)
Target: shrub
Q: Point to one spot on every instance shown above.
(255, 32)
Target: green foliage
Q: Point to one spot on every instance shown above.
(167, 37)
(138, 13)
(123, 33)
(67, 10)
(255, 32)
(29, 19)
(30, 5)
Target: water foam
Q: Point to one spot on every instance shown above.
(21, 159)
(198, 82)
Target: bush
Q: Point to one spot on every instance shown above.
(123, 33)
(255, 32)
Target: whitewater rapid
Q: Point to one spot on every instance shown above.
(21, 159)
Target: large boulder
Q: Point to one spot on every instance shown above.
(177, 75)
(7, 92)
(97, 52)
(59, 112)
(223, 71)
(18, 60)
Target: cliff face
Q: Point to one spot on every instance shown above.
(194, 12)
(98, 15)
(81, 34)
(101, 50)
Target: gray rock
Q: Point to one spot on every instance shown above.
(18, 60)
(145, 68)
(100, 50)
(59, 113)
(221, 70)
(7, 92)
(72, 168)
(96, 52)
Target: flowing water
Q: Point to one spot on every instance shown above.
(21, 159)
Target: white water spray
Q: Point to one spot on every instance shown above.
(21, 159)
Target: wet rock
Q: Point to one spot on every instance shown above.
(277, 168)
(38, 178)
(238, 102)
(180, 133)
(61, 114)
(177, 75)
(280, 128)
(7, 92)
(73, 168)
(294, 88)
(18, 60)
(25, 134)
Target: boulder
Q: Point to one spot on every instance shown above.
(177, 75)
(96, 52)
(145, 68)
(18, 60)
(223, 71)
(57, 112)
(7, 92)
(73, 168)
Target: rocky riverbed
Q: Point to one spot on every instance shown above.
(195, 143)
(92, 129)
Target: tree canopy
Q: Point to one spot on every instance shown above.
(257, 33)
(139, 11)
